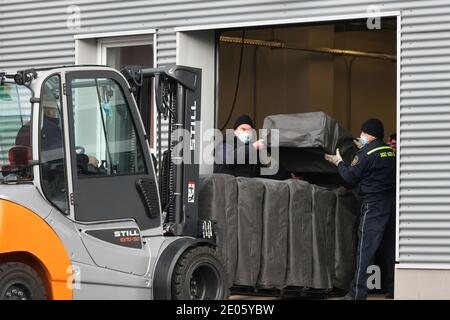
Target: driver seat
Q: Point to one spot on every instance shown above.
(18, 157)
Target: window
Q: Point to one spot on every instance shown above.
(119, 49)
(15, 131)
(53, 169)
(106, 141)
(121, 56)
(123, 51)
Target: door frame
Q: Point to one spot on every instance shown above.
(90, 48)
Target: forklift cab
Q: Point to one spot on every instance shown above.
(90, 148)
(81, 142)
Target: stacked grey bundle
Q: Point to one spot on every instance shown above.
(277, 234)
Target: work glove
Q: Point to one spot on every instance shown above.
(358, 143)
(334, 159)
(259, 145)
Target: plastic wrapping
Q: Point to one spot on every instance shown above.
(304, 138)
(308, 130)
(274, 234)
(323, 237)
(347, 219)
(299, 257)
(218, 202)
(250, 206)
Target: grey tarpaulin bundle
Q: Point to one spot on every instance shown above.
(275, 213)
(305, 137)
(323, 237)
(218, 202)
(250, 206)
(277, 234)
(347, 220)
(299, 254)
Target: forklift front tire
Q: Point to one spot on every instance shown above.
(18, 281)
(199, 275)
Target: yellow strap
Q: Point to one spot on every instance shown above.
(378, 149)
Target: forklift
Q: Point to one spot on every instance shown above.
(83, 214)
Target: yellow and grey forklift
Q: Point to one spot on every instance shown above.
(83, 214)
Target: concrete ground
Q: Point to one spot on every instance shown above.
(252, 297)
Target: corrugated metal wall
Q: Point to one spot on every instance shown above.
(34, 33)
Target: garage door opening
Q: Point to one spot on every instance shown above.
(343, 69)
(340, 68)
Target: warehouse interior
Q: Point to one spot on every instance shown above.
(274, 80)
(343, 69)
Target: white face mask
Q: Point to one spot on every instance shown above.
(363, 140)
(245, 137)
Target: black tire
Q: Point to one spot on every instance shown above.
(19, 281)
(199, 275)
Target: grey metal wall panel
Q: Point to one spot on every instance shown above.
(425, 99)
(34, 33)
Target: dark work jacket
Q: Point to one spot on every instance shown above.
(51, 135)
(373, 170)
(233, 157)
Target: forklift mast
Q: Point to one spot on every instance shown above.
(178, 101)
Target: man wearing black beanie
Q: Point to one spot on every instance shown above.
(243, 119)
(373, 170)
(238, 154)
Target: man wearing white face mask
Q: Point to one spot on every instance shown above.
(238, 154)
(373, 170)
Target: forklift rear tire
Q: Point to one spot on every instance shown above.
(199, 275)
(19, 281)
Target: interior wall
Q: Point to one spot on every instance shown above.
(288, 81)
(373, 82)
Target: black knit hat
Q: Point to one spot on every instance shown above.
(374, 127)
(244, 119)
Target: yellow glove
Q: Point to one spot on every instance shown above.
(334, 159)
